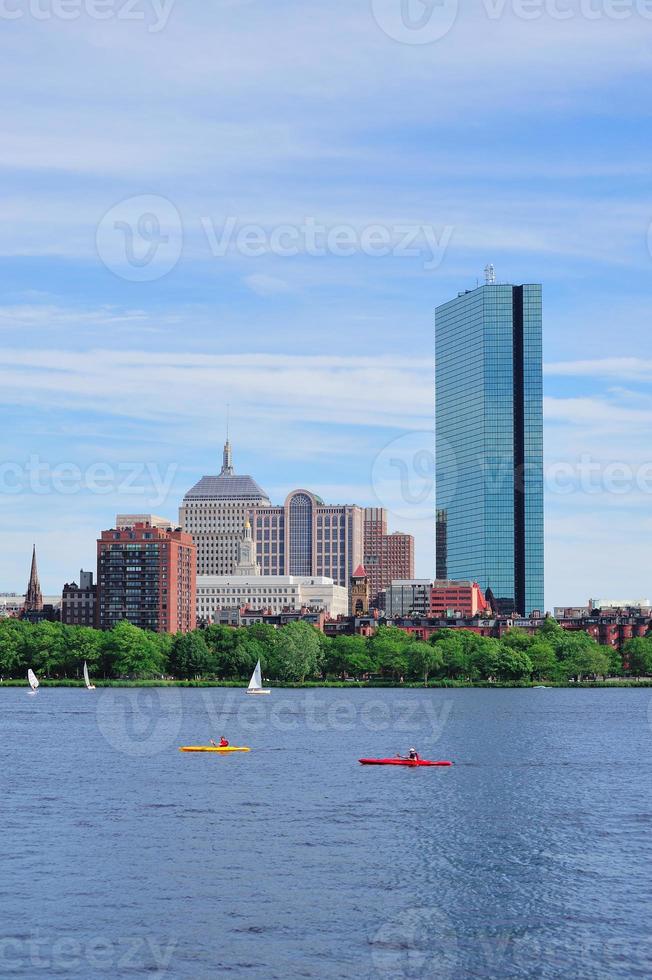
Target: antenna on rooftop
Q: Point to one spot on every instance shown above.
(490, 275)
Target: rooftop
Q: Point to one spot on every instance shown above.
(225, 487)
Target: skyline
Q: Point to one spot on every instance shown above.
(97, 368)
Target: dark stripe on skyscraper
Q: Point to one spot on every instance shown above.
(519, 452)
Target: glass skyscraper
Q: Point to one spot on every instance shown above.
(489, 443)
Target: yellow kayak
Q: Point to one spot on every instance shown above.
(213, 748)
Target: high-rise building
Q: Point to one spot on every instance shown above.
(303, 537)
(489, 442)
(307, 537)
(79, 601)
(387, 557)
(147, 576)
(215, 511)
(33, 596)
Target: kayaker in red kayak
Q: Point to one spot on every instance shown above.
(223, 743)
(412, 756)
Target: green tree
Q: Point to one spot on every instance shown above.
(513, 664)
(348, 656)
(297, 652)
(426, 659)
(133, 652)
(544, 661)
(46, 648)
(637, 654)
(82, 644)
(517, 639)
(455, 659)
(588, 662)
(484, 656)
(190, 657)
(13, 662)
(388, 650)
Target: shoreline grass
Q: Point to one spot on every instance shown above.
(341, 685)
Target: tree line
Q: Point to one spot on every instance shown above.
(298, 652)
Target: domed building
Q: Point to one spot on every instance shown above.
(215, 510)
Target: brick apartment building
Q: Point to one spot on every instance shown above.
(147, 576)
(79, 602)
(387, 557)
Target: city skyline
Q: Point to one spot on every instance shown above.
(512, 167)
(154, 480)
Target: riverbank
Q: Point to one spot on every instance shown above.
(615, 682)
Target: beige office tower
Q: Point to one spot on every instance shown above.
(307, 537)
(215, 511)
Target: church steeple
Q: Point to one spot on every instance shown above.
(33, 596)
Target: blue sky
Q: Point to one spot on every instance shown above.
(521, 142)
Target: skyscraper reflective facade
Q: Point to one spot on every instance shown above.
(489, 442)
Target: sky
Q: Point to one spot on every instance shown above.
(261, 204)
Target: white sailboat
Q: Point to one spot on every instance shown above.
(87, 680)
(33, 680)
(256, 682)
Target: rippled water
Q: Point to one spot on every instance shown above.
(123, 857)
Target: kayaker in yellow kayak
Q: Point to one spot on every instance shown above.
(224, 744)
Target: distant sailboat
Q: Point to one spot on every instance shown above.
(256, 682)
(33, 680)
(87, 680)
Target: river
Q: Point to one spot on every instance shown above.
(123, 857)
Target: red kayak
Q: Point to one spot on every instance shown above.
(401, 762)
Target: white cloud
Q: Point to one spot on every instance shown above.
(160, 386)
(623, 368)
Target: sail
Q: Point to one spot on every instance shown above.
(32, 678)
(256, 681)
(87, 679)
